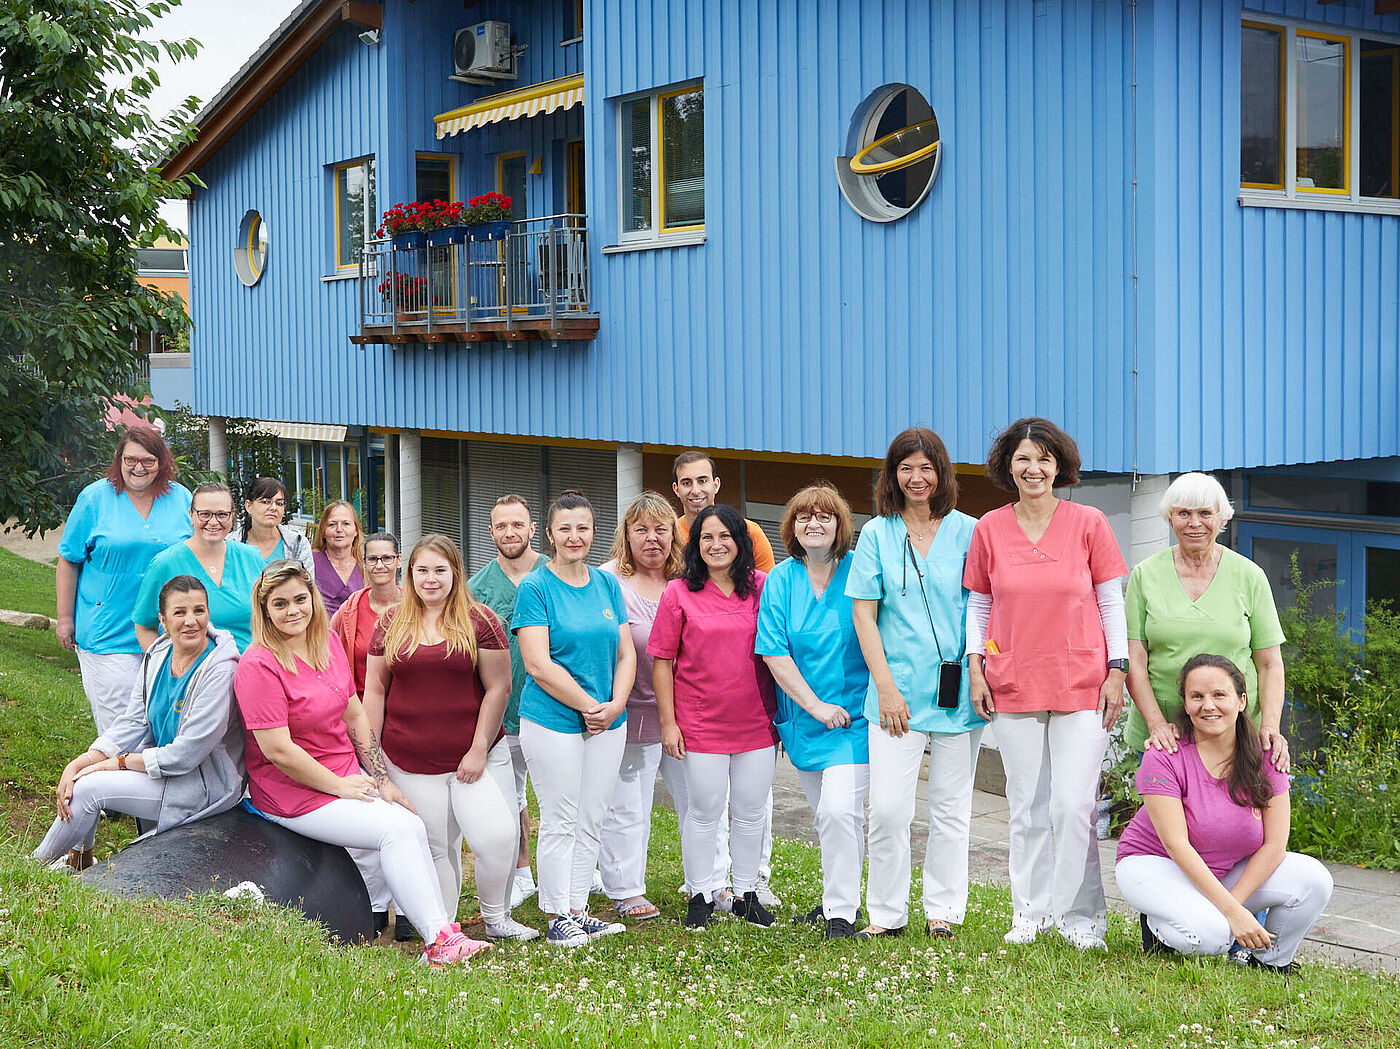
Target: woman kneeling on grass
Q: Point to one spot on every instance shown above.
(436, 687)
(1209, 847)
(307, 738)
(176, 754)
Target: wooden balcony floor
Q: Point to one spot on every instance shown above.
(519, 330)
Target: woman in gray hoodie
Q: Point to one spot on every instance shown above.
(176, 754)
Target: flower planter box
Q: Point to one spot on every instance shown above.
(409, 240)
(494, 230)
(436, 238)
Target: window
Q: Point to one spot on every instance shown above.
(434, 177)
(355, 212)
(893, 153)
(161, 260)
(1319, 118)
(250, 249)
(662, 168)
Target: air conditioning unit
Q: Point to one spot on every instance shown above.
(484, 50)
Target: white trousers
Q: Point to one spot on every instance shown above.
(518, 770)
(744, 779)
(894, 787)
(626, 831)
(837, 796)
(1052, 766)
(673, 775)
(389, 845)
(484, 813)
(1182, 918)
(107, 682)
(575, 776)
(129, 791)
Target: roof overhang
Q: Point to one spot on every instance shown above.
(272, 65)
(563, 93)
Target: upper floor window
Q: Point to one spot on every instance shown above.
(662, 167)
(356, 215)
(435, 177)
(1319, 117)
(154, 261)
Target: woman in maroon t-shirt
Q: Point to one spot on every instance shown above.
(436, 685)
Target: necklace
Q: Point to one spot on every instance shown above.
(920, 536)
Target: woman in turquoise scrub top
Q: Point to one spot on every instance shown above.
(117, 526)
(228, 571)
(910, 609)
(807, 636)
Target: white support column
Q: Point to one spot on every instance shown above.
(629, 475)
(391, 484)
(218, 445)
(1149, 532)
(410, 488)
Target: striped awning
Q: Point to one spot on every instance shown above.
(304, 431)
(547, 97)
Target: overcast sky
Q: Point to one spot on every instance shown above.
(230, 30)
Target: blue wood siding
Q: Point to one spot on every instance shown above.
(1263, 336)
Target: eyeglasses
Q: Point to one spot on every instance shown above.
(819, 517)
(380, 559)
(281, 504)
(145, 462)
(222, 516)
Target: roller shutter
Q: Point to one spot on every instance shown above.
(494, 470)
(593, 472)
(442, 487)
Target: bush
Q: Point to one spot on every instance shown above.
(252, 453)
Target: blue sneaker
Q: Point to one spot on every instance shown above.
(564, 931)
(596, 927)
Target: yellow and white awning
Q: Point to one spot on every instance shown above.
(563, 93)
(304, 431)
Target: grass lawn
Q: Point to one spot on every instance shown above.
(26, 586)
(78, 968)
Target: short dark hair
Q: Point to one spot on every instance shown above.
(383, 537)
(148, 438)
(889, 497)
(821, 497)
(741, 571)
(262, 488)
(1045, 434)
(568, 499)
(180, 584)
(685, 459)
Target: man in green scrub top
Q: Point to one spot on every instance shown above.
(512, 530)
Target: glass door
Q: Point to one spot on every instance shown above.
(510, 180)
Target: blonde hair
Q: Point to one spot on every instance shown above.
(649, 506)
(403, 629)
(265, 633)
(821, 497)
(318, 540)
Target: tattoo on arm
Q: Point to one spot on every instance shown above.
(371, 755)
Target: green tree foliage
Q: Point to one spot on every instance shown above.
(252, 453)
(79, 192)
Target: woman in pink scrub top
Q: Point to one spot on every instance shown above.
(1047, 654)
(716, 701)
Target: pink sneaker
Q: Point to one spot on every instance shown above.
(451, 946)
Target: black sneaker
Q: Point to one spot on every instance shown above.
(812, 917)
(752, 911)
(1150, 943)
(381, 921)
(840, 929)
(1291, 969)
(699, 912)
(404, 932)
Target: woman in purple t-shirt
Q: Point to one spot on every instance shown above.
(1208, 850)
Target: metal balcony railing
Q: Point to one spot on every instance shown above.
(536, 276)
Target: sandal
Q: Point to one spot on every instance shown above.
(637, 909)
(938, 929)
(871, 932)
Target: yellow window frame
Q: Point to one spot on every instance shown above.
(575, 196)
(453, 196)
(1278, 30)
(254, 262)
(660, 187)
(362, 162)
(1345, 190)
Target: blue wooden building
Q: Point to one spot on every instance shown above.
(784, 230)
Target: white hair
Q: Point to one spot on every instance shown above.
(1196, 491)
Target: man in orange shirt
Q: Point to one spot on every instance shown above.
(696, 484)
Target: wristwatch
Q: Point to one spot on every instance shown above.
(121, 760)
(1118, 664)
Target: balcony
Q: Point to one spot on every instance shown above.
(533, 283)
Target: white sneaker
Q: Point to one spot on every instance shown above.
(766, 895)
(510, 929)
(1022, 931)
(596, 927)
(522, 890)
(1082, 939)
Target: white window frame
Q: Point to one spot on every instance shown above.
(1290, 196)
(655, 237)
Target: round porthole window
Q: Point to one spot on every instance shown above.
(250, 250)
(893, 152)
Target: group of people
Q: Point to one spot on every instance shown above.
(399, 721)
